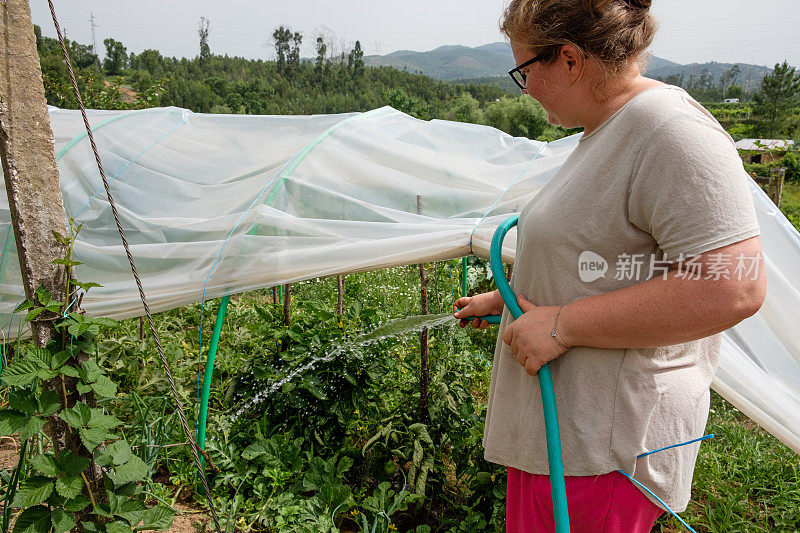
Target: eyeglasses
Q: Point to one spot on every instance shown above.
(520, 77)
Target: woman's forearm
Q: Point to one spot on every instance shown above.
(659, 312)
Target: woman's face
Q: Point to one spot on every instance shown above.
(548, 84)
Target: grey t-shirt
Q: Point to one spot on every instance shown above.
(658, 179)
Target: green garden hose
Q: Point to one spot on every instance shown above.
(202, 416)
(557, 485)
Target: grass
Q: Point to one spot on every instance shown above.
(745, 479)
(790, 202)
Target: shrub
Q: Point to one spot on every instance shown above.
(521, 116)
(792, 163)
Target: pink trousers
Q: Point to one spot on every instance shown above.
(597, 504)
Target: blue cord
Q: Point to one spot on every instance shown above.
(650, 492)
(482, 357)
(70, 305)
(709, 436)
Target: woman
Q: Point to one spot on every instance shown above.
(656, 192)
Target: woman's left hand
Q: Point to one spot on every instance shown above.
(529, 336)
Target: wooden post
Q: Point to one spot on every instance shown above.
(29, 162)
(274, 295)
(436, 287)
(778, 174)
(287, 304)
(287, 312)
(774, 183)
(340, 277)
(424, 414)
(340, 296)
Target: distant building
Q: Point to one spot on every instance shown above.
(763, 150)
(731, 101)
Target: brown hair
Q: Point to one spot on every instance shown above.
(613, 32)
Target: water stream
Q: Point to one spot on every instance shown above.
(391, 328)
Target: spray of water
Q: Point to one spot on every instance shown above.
(392, 328)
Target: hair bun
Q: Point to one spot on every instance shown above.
(639, 4)
(597, 7)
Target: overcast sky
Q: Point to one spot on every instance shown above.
(746, 31)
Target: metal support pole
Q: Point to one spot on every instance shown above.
(202, 417)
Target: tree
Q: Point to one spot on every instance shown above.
(402, 101)
(322, 49)
(728, 78)
(734, 91)
(287, 49)
(705, 80)
(779, 93)
(116, 57)
(521, 116)
(151, 61)
(675, 79)
(465, 108)
(791, 161)
(202, 32)
(281, 37)
(82, 55)
(294, 52)
(356, 61)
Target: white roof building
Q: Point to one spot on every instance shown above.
(766, 144)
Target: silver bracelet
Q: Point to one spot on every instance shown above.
(555, 324)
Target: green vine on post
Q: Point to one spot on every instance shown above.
(94, 482)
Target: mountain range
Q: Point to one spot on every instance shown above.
(455, 62)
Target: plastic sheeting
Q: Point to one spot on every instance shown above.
(221, 204)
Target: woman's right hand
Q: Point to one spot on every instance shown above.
(488, 303)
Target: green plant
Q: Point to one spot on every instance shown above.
(54, 489)
(383, 503)
(521, 116)
(739, 131)
(792, 163)
(275, 484)
(323, 375)
(57, 478)
(150, 428)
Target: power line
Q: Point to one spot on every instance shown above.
(94, 36)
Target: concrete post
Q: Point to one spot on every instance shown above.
(34, 194)
(29, 163)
